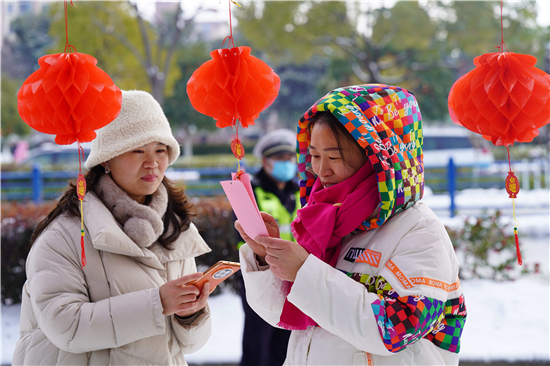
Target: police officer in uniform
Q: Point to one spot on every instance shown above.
(277, 193)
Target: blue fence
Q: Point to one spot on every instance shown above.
(38, 185)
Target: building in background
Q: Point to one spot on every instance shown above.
(13, 9)
(212, 23)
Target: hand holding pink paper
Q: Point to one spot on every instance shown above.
(241, 197)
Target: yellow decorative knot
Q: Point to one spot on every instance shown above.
(513, 186)
(81, 188)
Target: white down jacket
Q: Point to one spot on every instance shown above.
(416, 258)
(109, 313)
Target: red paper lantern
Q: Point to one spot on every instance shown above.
(69, 97)
(505, 98)
(233, 85)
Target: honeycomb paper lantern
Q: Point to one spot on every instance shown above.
(505, 98)
(70, 97)
(233, 85)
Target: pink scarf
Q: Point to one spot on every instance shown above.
(320, 226)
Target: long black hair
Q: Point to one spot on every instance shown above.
(178, 213)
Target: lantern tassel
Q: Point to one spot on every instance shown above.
(81, 192)
(516, 224)
(520, 262)
(83, 253)
(512, 188)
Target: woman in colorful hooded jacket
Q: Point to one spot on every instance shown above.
(373, 279)
(120, 297)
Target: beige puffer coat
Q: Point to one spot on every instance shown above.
(110, 313)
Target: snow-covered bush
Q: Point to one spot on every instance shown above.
(485, 249)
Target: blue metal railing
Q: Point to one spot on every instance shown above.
(37, 185)
(451, 180)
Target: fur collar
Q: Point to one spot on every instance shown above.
(142, 223)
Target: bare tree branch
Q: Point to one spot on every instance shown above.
(146, 44)
(360, 73)
(175, 39)
(400, 57)
(348, 46)
(122, 39)
(177, 35)
(385, 41)
(418, 66)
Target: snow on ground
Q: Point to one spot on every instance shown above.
(10, 331)
(224, 345)
(506, 320)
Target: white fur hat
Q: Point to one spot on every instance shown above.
(141, 121)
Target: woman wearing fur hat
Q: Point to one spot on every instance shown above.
(373, 278)
(129, 304)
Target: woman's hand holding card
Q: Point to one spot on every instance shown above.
(272, 229)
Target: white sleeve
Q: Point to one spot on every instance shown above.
(265, 293)
(63, 310)
(338, 304)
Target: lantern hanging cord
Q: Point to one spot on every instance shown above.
(230, 42)
(502, 44)
(67, 45)
(509, 163)
(238, 159)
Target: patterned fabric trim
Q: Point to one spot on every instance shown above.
(447, 334)
(401, 320)
(404, 320)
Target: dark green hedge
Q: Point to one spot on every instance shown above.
(214, 221)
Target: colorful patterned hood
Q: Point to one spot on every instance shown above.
(385, 120)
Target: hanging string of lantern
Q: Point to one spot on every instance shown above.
(506, 99)
(70, 97)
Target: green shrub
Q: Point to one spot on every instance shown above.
(18, 222)
(484, 249)
(214, 222)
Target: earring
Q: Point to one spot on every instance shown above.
(107, 170)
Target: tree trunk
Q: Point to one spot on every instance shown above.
(157, 87)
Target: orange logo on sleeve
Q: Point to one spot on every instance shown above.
(399, 275)
(370, 257)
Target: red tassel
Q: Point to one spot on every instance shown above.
(83, 255)
(517, 246)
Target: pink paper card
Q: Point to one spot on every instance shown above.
(245, 178)
(245, 207)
